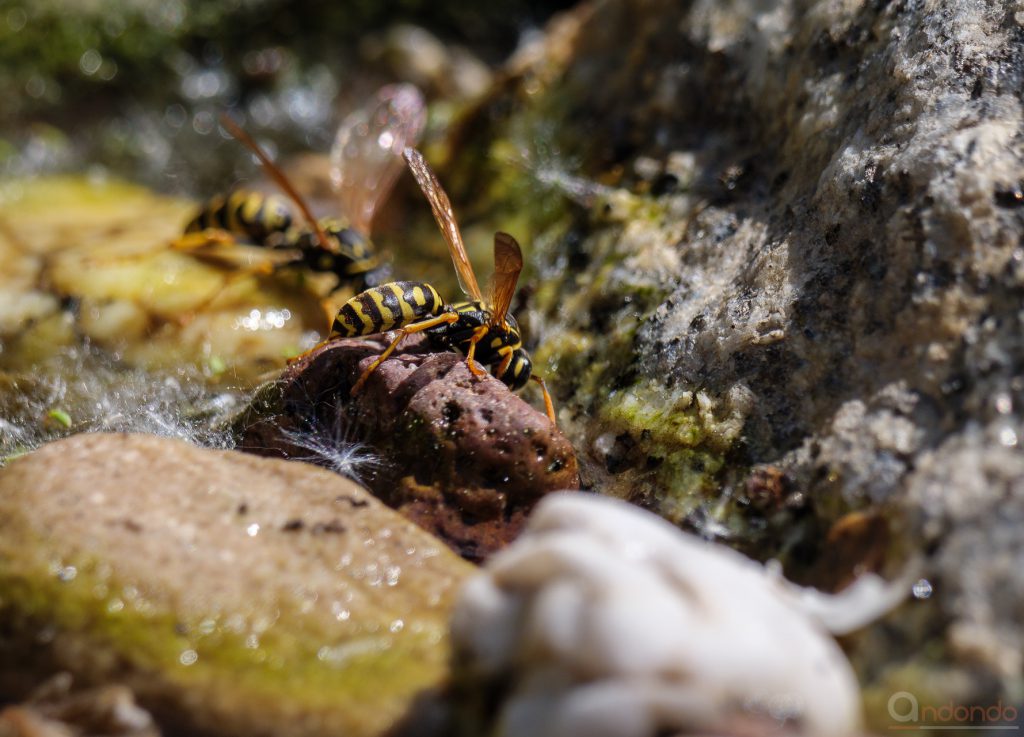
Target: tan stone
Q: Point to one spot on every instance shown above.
(230, 592)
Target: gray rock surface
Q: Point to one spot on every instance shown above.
(230, 593)
(795, 243)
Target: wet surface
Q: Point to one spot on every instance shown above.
(231, 593)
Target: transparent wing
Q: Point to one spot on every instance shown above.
(365, 157)
(445, 217)
(508, 262)
(277, 176)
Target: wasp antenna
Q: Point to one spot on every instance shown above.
(277, 175)
(445, 217)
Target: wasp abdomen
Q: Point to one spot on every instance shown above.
(386, 307)
(243, 212)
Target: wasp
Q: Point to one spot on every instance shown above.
(365, 164)
(481, 329)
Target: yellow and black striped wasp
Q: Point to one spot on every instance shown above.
(481, 329)
(365, 164)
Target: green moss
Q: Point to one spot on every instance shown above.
(679, 441)
(669, 419)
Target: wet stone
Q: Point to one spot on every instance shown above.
(462, 456)
(229, 593)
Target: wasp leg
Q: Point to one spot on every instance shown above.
(318, 346)
(203, 238)
(548, 404)
(445, 317)
(478, 335)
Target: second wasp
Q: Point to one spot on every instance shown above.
(365, 163)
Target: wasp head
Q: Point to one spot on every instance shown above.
(350, 255)
(519, 370)
(499, 339)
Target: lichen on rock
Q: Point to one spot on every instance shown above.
(808, 215)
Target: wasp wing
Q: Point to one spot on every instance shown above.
(508, 263)
(445, 217)
(365, 157)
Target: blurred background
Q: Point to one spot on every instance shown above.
(135, 86)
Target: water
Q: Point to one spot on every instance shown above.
(86, 390)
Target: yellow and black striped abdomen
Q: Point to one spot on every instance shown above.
(383, 308)
(252, 215)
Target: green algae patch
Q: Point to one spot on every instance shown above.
(294, 668)
(231, 593)
(673, 441)
(672, 418)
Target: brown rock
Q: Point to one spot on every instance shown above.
(463, 456)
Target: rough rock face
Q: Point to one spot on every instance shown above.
(230, 593)
(790, 240)
(462, 456)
